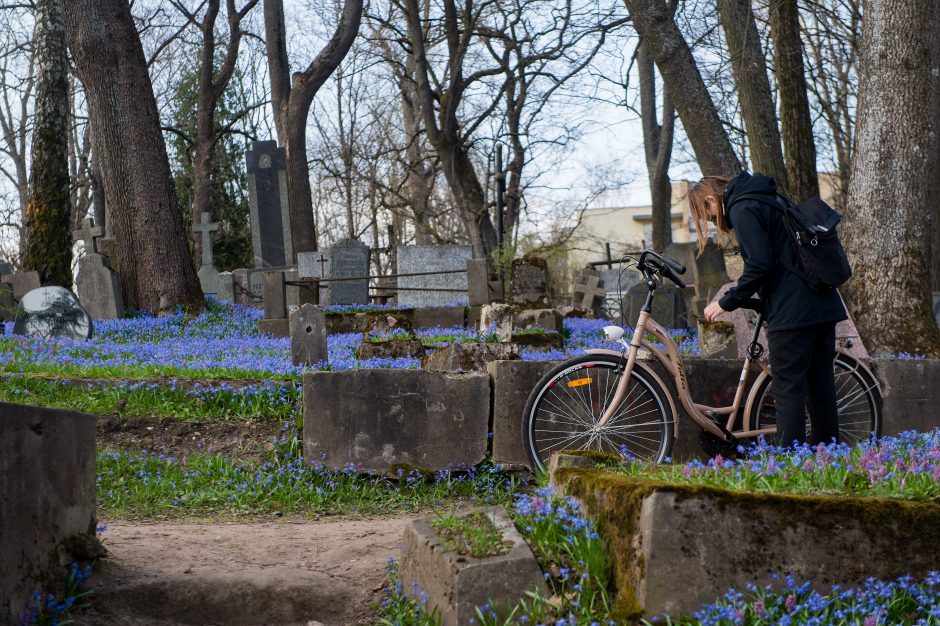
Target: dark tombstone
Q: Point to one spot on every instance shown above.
(483, 286)
(208, 274)
(5, 268)
(349, 258)
(7, 306)
(588, 291)
(529, 282)
(425, 290)
(308, 336)
(50, 312)
(669, 305)
(267, 197)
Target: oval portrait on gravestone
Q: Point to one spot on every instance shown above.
(52, 312)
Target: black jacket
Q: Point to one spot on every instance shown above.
(759, 228)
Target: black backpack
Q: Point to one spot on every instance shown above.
(811, 229)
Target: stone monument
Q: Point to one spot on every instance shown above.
(588, 291)
(529, 283)
(433, 289)
(50, 312)
(208, 274)
(267, 196)
(97, 283)
(347, 259)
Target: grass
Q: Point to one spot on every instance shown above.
(147, 484)
(473, 534)
(179, 399)
(906, 466)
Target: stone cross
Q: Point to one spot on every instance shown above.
(588, 289)
(206, 227)
(88, 233)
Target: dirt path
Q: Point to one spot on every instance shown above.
(281, 572)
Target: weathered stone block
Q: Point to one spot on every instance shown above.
(512, 382)
(439, 317)
(274, 328)
(457, 584)
(468, 357)
(548, 340)
(47, 498)
(391, 349)
(275, 296)
(717, 339)
(22, 283)
(377, 418)
(676, 547)
(549, 319)
(308, 336)
(497, 318)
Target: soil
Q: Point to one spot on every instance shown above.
(284, 572)
(272, 571)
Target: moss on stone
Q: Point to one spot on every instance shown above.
(615, 501)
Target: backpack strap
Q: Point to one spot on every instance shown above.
(782, 205)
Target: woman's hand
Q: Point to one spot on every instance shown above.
(713, 310)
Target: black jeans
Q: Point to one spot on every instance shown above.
(801, 363)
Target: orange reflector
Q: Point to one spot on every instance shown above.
(580, 382)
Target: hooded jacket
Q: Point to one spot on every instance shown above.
(758, 226)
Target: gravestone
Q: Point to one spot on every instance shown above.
(308, 336)
(426, 290)
(349, 258)
(316, 264)
(22, 283)
(7, 306)
(249, 286)
(208, 275)
(669, 305)
(225, 292)
(275, 296)
(497, 318)
(483, 285)
(5, 268)
(529, 283)
(50, 312)
(588, 291)
(706, 272)
(267, 198)
(99, 289)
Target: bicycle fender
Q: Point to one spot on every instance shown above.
(749, 405)
(647, 370)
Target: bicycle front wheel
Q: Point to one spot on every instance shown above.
(858, 400)
(563, 410)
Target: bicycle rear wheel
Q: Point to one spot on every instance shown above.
(858, 399)
(565, 406)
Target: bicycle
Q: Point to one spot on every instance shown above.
(611, 401)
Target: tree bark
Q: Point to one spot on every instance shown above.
(291, 97)
(48, 211)
(445, 134)
(799, 145)
(156, 269)
(657, 146)
(653, 22)
(753, 87)
(889, 221)
(212, 85)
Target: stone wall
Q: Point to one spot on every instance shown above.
(47, 498)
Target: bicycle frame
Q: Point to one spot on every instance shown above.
(672, 361)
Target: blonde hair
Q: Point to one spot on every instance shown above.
(709, 186)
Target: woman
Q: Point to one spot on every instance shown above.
(800, 323)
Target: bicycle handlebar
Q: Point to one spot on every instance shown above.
(666, 266)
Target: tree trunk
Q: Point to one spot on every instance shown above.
(155, 265)
(753, 87)
(889, 221)
(657, 146)
(48, 212)
(291, 97)
(798, 143)
(653, 22)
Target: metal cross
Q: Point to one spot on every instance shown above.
(322, 261)
(206, 228)
(88, 233)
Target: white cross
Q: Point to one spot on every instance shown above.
(206, 228)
